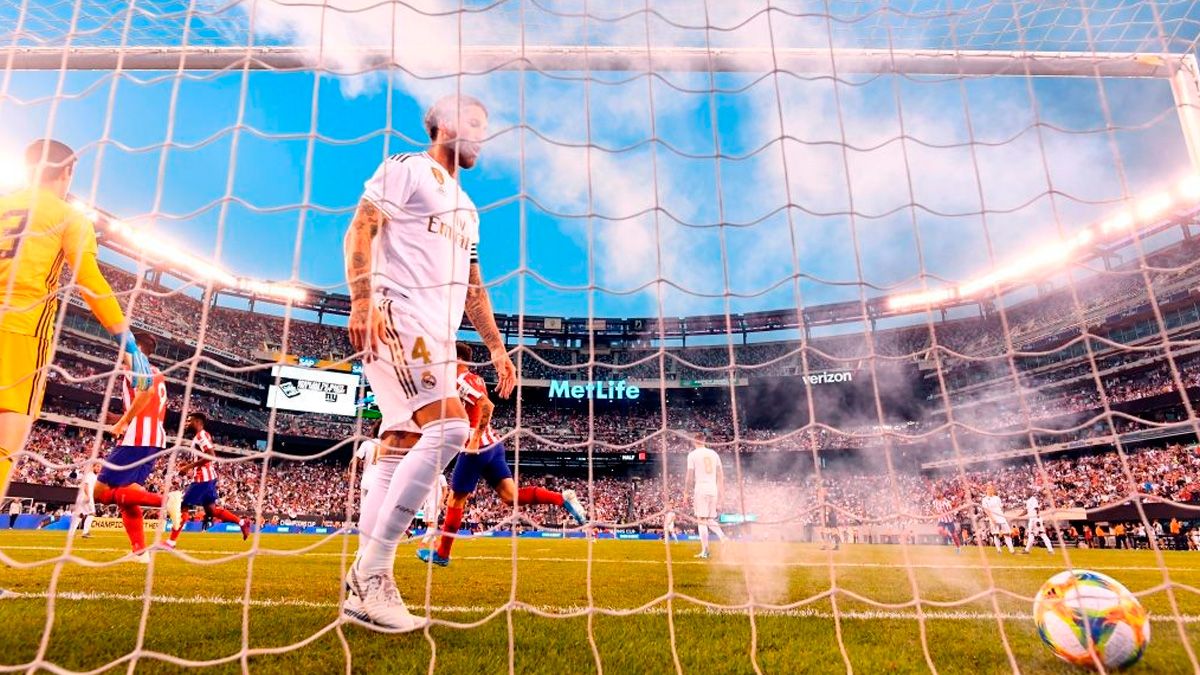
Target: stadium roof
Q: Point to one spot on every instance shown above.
(1145, 217)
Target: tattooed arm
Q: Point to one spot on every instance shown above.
(368, 219)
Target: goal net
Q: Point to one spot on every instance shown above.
(885, 260)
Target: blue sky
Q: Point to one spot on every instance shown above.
(849, 231)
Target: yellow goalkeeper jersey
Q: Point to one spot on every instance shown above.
(39, 233)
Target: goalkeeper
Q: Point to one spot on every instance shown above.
(39, 233)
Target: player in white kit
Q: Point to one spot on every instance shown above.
(368, 460)
(993, 508)
(432, 508)
(413, 270)
(704, 468)
(669, 531)
(85, 502)
(1035, 526)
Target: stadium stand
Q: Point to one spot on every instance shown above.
(1046, 395)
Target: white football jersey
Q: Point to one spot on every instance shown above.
(705, 465)
(87, 488)
(422, 258)
(433, 503)
(368, 452)
(1032, 508)
(993, 507)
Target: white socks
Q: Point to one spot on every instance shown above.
(703, 527)
(372, 499)
(411, 482)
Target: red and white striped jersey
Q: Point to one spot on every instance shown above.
(146, 429)
(204, 446)
(472, 389)
(944, 508)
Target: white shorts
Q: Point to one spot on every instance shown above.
(706, 506)
(1001, 527)
(367, 480)
(1035, 528)
(429, 512)
(85, 508)
(411, 369)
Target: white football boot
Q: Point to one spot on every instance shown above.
(374, 601)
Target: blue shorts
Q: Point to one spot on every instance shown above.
(948, 528)
(201, 494)
(488, 464)
(136, 467)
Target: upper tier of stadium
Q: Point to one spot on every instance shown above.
(1095, 248)
(1042, 364)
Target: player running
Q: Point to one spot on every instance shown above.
(993, 508)
(489, 464)
(408, 293)
(947, 521)
(39, 234)
(85, 501)
(129, 464)
(1035, 526)
(203, 490)
(705, 473)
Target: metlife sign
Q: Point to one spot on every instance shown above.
(606, 390)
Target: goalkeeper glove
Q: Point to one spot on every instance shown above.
(142, 375)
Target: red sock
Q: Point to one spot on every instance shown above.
(226, 516)
(450, 524)
(130, 495)
(131, 518)
(536, 495)
(183, 520)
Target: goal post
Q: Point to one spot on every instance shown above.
(1179, 69)
(617, 58)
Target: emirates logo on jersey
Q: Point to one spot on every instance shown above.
(428, 380)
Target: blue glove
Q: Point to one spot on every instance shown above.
(143, 376)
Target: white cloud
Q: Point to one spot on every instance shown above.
(822, 176)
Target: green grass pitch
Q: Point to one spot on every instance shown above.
(199, 612)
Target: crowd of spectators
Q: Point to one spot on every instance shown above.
(250, 334)
(321, 488)
(983, 394)
(239, 332)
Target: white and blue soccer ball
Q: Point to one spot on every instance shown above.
(1087, 618)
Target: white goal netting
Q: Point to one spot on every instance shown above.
(878, 256)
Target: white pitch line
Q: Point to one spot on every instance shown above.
(619, 561)
(558, 610)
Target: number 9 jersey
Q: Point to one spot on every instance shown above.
(39, 233)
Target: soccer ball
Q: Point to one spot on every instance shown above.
(1074, 605)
